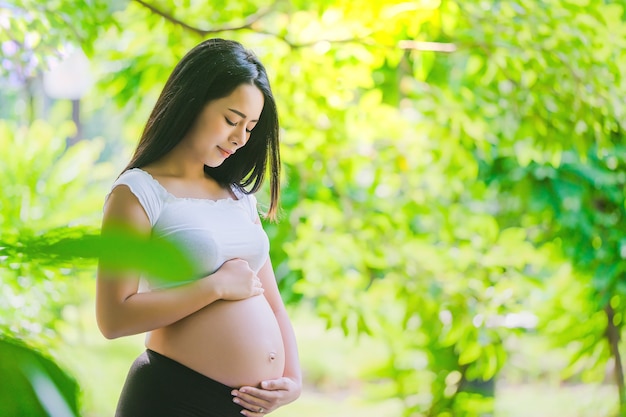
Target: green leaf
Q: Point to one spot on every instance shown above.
(469, 352)
(34, 385)
(119, 249)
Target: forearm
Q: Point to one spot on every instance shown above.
(278, 392)
(292, 360)
(143, 312)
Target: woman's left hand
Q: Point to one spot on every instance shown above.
(272, 394)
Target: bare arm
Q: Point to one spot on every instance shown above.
(278, 392)
(122, 311)
(292, 361)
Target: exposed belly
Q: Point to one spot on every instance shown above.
(234, 342)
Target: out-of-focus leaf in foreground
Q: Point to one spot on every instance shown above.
(119, 249)
(33, 385)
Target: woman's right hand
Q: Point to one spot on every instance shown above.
(235, 280)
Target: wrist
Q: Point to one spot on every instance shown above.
(294, 376)
(297, 381)
(212, 286)
(297, 387)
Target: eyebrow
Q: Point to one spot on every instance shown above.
(241, 114)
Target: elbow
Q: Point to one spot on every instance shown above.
(109, 331)
(109, 326)
(109, 334)
(111, 320)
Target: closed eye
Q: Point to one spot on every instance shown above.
(231, 123)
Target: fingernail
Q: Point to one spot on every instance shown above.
(264, 384)
(236, 400)
(233, 392)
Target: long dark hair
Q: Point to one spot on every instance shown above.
(212, 70)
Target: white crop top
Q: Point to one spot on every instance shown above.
(209, 231)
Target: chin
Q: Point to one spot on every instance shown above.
(213, 164)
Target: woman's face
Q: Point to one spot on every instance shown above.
(224, 125)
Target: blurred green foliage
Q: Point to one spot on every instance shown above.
(34, 384)
(44, 187)
(430, 197)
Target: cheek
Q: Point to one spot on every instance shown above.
(209, 131)
(207, 124)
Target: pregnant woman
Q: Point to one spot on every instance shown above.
(219, 344)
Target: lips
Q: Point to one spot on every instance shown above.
(225, 153)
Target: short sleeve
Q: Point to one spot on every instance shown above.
(254, 213)
(145, 188)
(248, 201)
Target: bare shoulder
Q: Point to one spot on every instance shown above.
(122, 208)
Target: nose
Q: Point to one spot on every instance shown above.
(239, 137)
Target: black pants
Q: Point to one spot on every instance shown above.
(157, 386)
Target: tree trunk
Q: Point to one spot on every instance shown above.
(613, 336)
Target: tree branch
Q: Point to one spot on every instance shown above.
(247, 24)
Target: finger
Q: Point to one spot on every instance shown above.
(255, 396)
(280, 384)
(252, 405)
(256, 407)
(249, 413)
